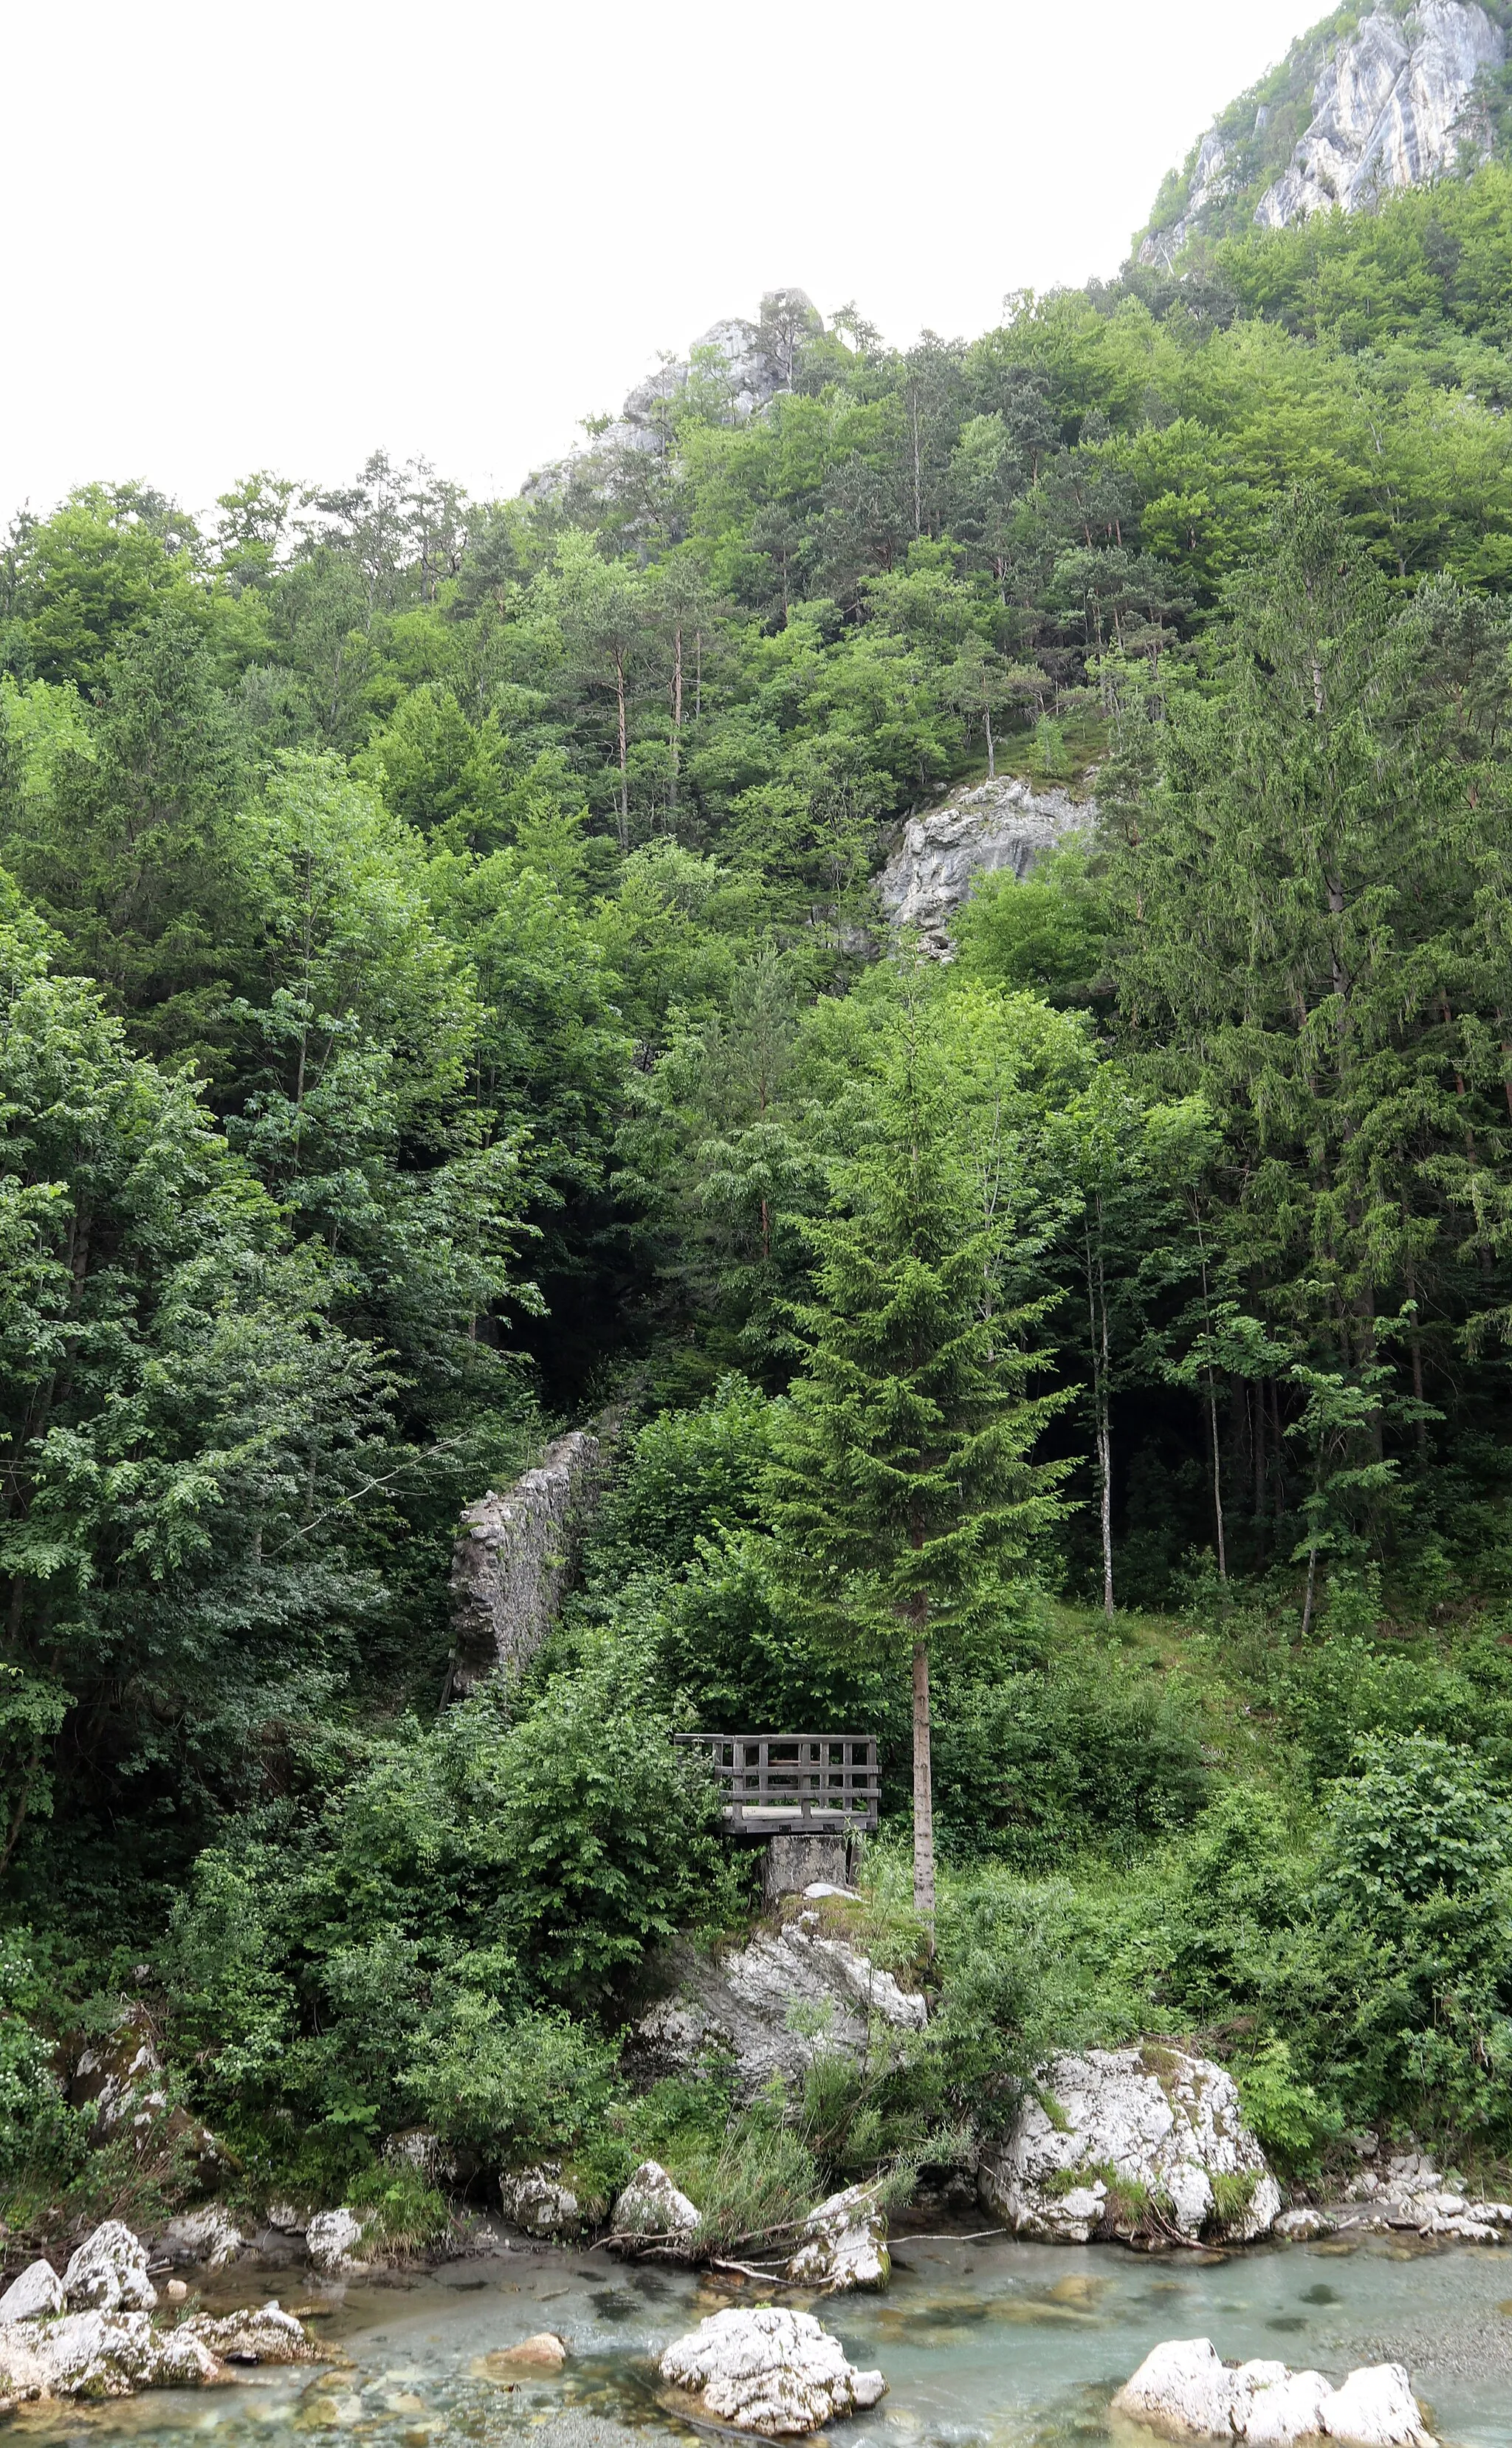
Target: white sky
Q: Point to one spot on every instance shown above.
(282, 235)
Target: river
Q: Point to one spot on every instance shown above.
(1010, 2345)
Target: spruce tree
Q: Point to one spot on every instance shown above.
(901, 1484)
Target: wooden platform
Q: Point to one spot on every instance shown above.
(775, 1781)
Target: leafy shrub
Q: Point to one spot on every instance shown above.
(40, 2137)
(1289, 2120)
(1088, 1753)
(511, 2091)
(1416, 1890)
(686, 1477)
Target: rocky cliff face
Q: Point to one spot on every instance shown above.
(1003, 824)
(1355, 112)
(737, 366)
(1391, 110)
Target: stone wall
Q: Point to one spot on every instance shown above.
(515, 1556)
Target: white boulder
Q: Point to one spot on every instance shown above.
(332, 2239)
(208, 2235)
(262, 2334)
(536, 2199)
(844, 2244)
(1185, 2390)
(651, 2207)
(99, 2354)
(1125, 2142)
(35, 2295)
(774, 2372)
(1376, 2409)
(108, 2273)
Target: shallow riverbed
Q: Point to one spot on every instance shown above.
(1011, 2346)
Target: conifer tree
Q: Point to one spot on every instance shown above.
(901, 1484)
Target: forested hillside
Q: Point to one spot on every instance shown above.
(445, 994)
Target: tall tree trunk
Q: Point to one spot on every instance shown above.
(992, 753)
(923, 1788)
(624, 756)
(677, 711)
(1218, 1478)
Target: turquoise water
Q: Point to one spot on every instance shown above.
(1009, 2345)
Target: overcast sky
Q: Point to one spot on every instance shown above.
(282, 235)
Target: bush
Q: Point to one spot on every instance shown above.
(40, 2137)
(1416, 1892)
(511, 2091)
(1289, 2120)
(1087, 1754)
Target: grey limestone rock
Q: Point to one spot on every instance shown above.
(778, 2373)
(1002, 825)
(1153, 2134)
(651, 2204)
(1390, 110)
(37, 2294)
(1184, 2390)
(844, 2244)
(209, 2235)
(774, 2006)
(109, 2273)
(536, 2199)
(99, 2354)
(332, 2239)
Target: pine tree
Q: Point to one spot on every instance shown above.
(902, 1485)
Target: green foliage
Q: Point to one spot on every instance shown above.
(516, 2091)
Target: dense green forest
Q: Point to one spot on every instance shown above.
(444, 994)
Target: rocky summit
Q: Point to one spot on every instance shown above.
(1355, 112)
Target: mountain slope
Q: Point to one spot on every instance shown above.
(1366, 105)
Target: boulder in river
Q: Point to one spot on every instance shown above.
(332, 2239)
(99, 2354)
(263, 2333)
(108, 2273)
(1185, 2390)
(536, 2199)
(844, 2244)
(651, 2209)
(37, 2294)
(774, 2372)
(208, 2235)
(1130, 2143)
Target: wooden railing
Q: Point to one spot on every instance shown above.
(777, 1781)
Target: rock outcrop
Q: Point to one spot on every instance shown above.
(1130, 2143)
(332, 2239)
(844, 2244)
(112, 2346)
(1002, 825)
(537, 2200)
(734, 368)
(1394, 102)
(36, 2295)
(1185, 2391)
(1391, 109)
(651, 2207)
(109, 2273)
(774, 2372)
(514, 1558)
(120, 2076)
(772, 2007)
